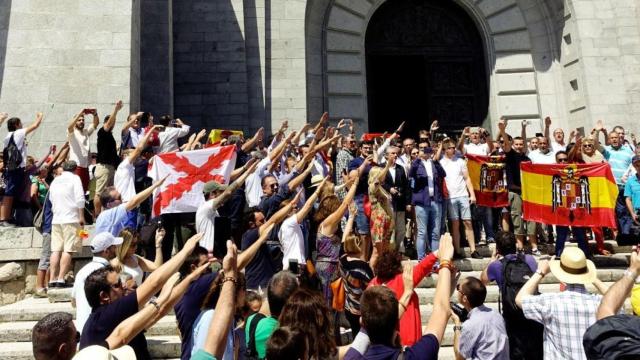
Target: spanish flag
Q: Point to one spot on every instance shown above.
(569, 194)
(216, 135)
(489, 178)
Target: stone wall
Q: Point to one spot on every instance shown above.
(62, 56)
(24, 247)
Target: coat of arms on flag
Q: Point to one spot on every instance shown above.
(569, 194)
(489, 178)
(188, 172)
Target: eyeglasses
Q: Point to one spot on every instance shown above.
(587, 145)
(563, 159)
(460, 291)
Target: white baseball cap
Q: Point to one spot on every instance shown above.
(103, 240)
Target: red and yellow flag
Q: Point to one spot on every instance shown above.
(489, 178)
(216, 135)
(569, 194)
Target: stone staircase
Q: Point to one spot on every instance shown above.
(17, 320)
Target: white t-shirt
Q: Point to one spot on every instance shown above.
(292, 241)
(18, 137)
(79, 145)
(476, 149)
(124, 180)
(67, 196)
(253, 184)
(537, 157)
(169, 138)
(83, 310)
(205, 223)
(455, 168)
(555, 147)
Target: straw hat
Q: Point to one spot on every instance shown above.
(96, 352)
(573, 267)
(316, 180)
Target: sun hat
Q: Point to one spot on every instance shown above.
(97, 352)
(573, 267)
(316, 180)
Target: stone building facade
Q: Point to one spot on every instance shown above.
(249, 63)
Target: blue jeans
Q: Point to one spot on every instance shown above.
(483, 217)
(623, 217)
(428, 220)
(578, 234)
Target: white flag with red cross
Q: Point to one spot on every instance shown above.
(188, 172)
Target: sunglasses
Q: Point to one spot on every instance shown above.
(451, 147)
(77, 339)
(563, 160)
(274, 186)
(460, 291)
(587, 145)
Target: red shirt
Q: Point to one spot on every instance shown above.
(410, 323)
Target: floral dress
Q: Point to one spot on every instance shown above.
(382, 222)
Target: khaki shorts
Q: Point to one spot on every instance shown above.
(104, 177)
(64, 237)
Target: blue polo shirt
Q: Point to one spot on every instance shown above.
(632, 190)
(619, 160)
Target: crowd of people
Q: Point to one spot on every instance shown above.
(321, 221)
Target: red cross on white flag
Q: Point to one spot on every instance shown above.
(188, 172)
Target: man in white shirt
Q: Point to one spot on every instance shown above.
(543, 155)
(475, 146)
(103, 247)
(408, 145)
(124, 178)
(556, 143)
(67, 205)
(78, 138)
(170, 135)
(290, 234)
(14, 174)
(461, 196)
(215, 194)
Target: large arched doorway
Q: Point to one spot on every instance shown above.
(424, 61)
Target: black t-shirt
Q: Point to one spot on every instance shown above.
(104, 319)
(260, 270)
(188, 309)
(107, 153)
(513, 160)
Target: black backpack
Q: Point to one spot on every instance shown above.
(525, 336)
(251, 352)
(12, 155)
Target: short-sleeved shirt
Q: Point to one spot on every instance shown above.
(512, 162)
(537, 157)
(363, 186)
(253, 183)
(201, 331)
(566, 317)
(619, 160)
(83, 310)
(79, 145)
(260, 269)
(203, 355)
(264, 329)
(455, 180)
(188, 309)
(18, 138)
(114, 220)
(107, 151)
(104, 319)
(632, 190)
(476, 149)
(424, 349)
(484, 335)
(494, 270)
(205, 223)
(124, 180)
(292, 241)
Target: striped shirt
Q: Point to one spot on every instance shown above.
(566, 317)
(619, 160)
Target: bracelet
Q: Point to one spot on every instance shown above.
(154, 303)
(446, 265)
(540, 273)
(631, 274)
(457, 328)
(230, 278)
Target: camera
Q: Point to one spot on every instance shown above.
(460, 311)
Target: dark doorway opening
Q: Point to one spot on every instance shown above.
(425, 61)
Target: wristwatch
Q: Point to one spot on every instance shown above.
(457, 328)
(540, 273)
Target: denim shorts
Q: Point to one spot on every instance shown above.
(459, 208)
(361, 221)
